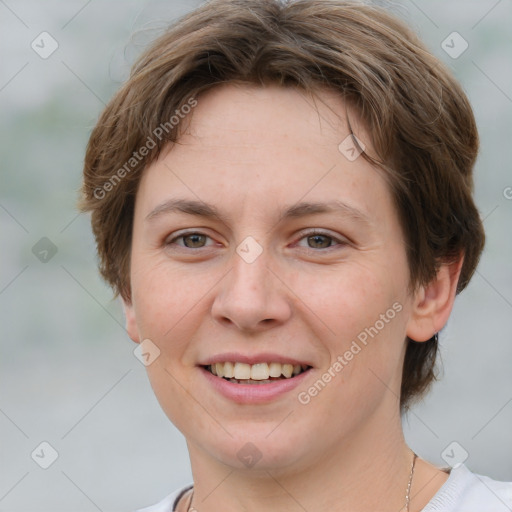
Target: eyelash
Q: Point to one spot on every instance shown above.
(308, 234)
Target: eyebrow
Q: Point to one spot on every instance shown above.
(202, 209)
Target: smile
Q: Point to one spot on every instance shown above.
(259, 373)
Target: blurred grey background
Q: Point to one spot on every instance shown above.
(68, 374)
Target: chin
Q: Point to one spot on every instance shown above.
(257, 448)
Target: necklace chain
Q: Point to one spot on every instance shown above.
(407, 494)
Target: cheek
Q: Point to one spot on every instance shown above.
(361, 318)
(171, 389)
(351, 298)
(167, 304)
(163, 300)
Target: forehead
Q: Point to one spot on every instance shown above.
(246, 146)
(253, 114)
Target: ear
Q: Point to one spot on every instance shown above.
(433, 302)
(131, 324)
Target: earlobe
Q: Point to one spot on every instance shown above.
(131, 324)
(433, 302)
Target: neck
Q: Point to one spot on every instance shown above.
(368, 471)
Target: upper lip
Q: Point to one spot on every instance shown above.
(236, 357)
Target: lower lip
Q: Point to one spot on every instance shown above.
(253, 393)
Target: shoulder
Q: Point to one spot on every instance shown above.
(465, 491)
(168, 503)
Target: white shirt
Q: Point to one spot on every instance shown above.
(464, 491)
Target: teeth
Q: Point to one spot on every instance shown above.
(287, 370)
(242, 370)
(249, 381)
(259, 371)
(256, 372)
(229, 370)
(275, 369)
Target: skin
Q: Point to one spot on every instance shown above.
(250, 151)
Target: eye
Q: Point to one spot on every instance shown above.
(190, 240)
(320, 240)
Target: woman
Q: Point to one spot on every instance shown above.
(282, 196)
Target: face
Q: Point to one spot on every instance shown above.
(258, 240)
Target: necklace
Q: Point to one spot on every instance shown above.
(407, 494)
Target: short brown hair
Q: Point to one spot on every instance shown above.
(420, 122)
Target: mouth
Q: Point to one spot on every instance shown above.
(256, 374)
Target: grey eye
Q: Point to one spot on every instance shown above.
(194, 240)
(319, 241)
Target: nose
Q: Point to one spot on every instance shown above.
(251, 298)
